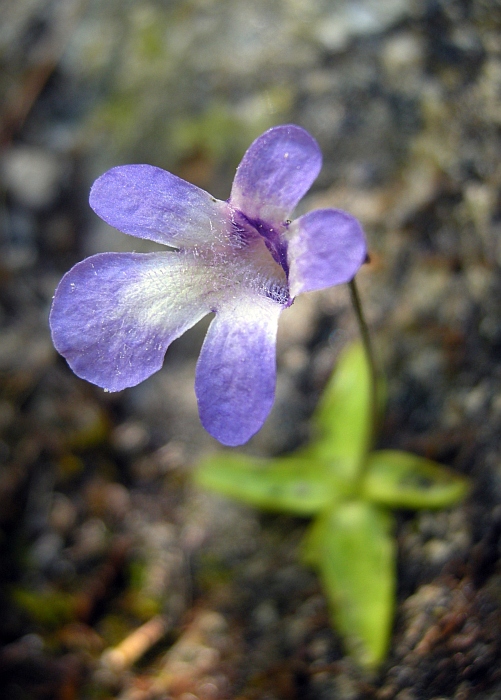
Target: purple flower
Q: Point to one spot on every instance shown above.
(115, 314)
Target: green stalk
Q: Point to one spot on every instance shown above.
(369, 351)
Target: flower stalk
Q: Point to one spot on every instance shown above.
(373, 368)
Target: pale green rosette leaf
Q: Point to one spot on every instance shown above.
(343, 417)
(294, 484)
(403, 480)
(352, 547)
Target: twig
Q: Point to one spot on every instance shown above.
(136, 644)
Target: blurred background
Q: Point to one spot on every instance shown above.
(101, 531)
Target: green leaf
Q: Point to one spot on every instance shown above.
(343, 417)
(353, 549)
(296, 484)
(403, 480)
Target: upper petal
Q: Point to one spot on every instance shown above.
(149, 202)
(326, 247)
(236, 370)
(114, 314)
(278, 168)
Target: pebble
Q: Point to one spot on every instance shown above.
(131, 436)
(63, 513)
(403, 52)
(46, 549)
(32, 175)
(91, 540)
(361, 18)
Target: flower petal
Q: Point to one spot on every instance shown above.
(149, 202)
(236, 370)
(326, 247)
(114, 314)
(278, 168)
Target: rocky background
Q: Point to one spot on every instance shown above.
(119, 579)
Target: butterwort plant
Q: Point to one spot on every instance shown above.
(115, 314)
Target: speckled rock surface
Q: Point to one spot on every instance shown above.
(101, 529)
